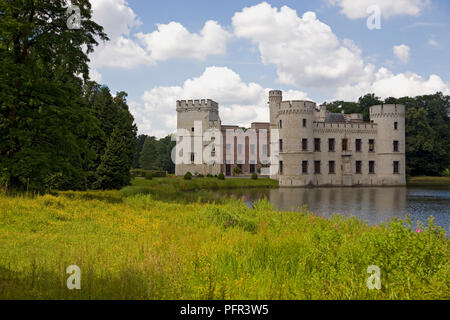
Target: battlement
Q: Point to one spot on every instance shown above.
(348, 126)
(387, 110)
(298, 104)
(199, 103)
(275, 93)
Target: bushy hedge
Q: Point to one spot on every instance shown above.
(188, 176)
(142, 173)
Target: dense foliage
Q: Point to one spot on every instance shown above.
(427, 129)
(154, 154)
(57, 129)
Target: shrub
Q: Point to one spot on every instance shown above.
(209, 175)
(254, 176)
(142, 173)
(158, 173)
(149, 176)
(237, 171)
(446, 173)
(221, 176)
(200, 176)
(188, 176)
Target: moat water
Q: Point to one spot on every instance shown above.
(374, 205)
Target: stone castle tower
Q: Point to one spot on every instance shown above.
(190, 113)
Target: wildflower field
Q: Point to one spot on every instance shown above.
(136, 247)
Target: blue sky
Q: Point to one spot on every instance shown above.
(322, 50)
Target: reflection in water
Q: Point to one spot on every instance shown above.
(375, 205)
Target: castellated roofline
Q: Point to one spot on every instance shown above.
(298, 104)
(197, 103)
(388, 109)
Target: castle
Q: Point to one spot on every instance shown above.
(303, 145)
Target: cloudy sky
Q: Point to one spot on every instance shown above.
(234, 52)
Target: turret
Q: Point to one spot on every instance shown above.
(275, 99)
(390, 143)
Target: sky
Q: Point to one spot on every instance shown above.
(234, 52)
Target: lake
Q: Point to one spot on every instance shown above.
(374, 205)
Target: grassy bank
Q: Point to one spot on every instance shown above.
(139, 248)
(433, 181)
(178, 189)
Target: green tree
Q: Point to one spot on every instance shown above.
(149, 159)
(366, 102)
(44, 119)
(140, 140)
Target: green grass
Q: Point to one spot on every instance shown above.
(429, 181)
(197, 189)
(139, 248)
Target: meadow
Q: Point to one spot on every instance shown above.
(137, 247)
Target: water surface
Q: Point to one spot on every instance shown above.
(374, 205)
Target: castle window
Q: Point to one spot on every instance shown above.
(332, 167)
(317, 145)
(305, 144)
(396, 149)
(317, 167)
(395, 125)
(281, 145)
(305, 167)
(396, 167)
(371, 145)
(192, 157)
(252, 168)
(358, 167)
(265, 150)
(344, 144)
(331, 145)
(252, 149)
(193, 129)
(304, 123)
(281, 167)
(371, 167)
(240, 148)
(358, 144)
(280, 124)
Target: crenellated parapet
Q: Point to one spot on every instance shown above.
(192, 105)
(296, 107)
(387, 111)
(345, 127)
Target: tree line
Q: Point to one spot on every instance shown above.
(58, 129)
(154, 154)
(427, 129)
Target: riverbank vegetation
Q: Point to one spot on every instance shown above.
(140, 248)
(196, 189)
(432, 181)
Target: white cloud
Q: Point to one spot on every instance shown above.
(433, 43)
(240, 103)
(118, 20)
(173, 40)
(355, 9)
(95, 75)
(402, 52)
(127, 49)
(305, 51)
(386, 84)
